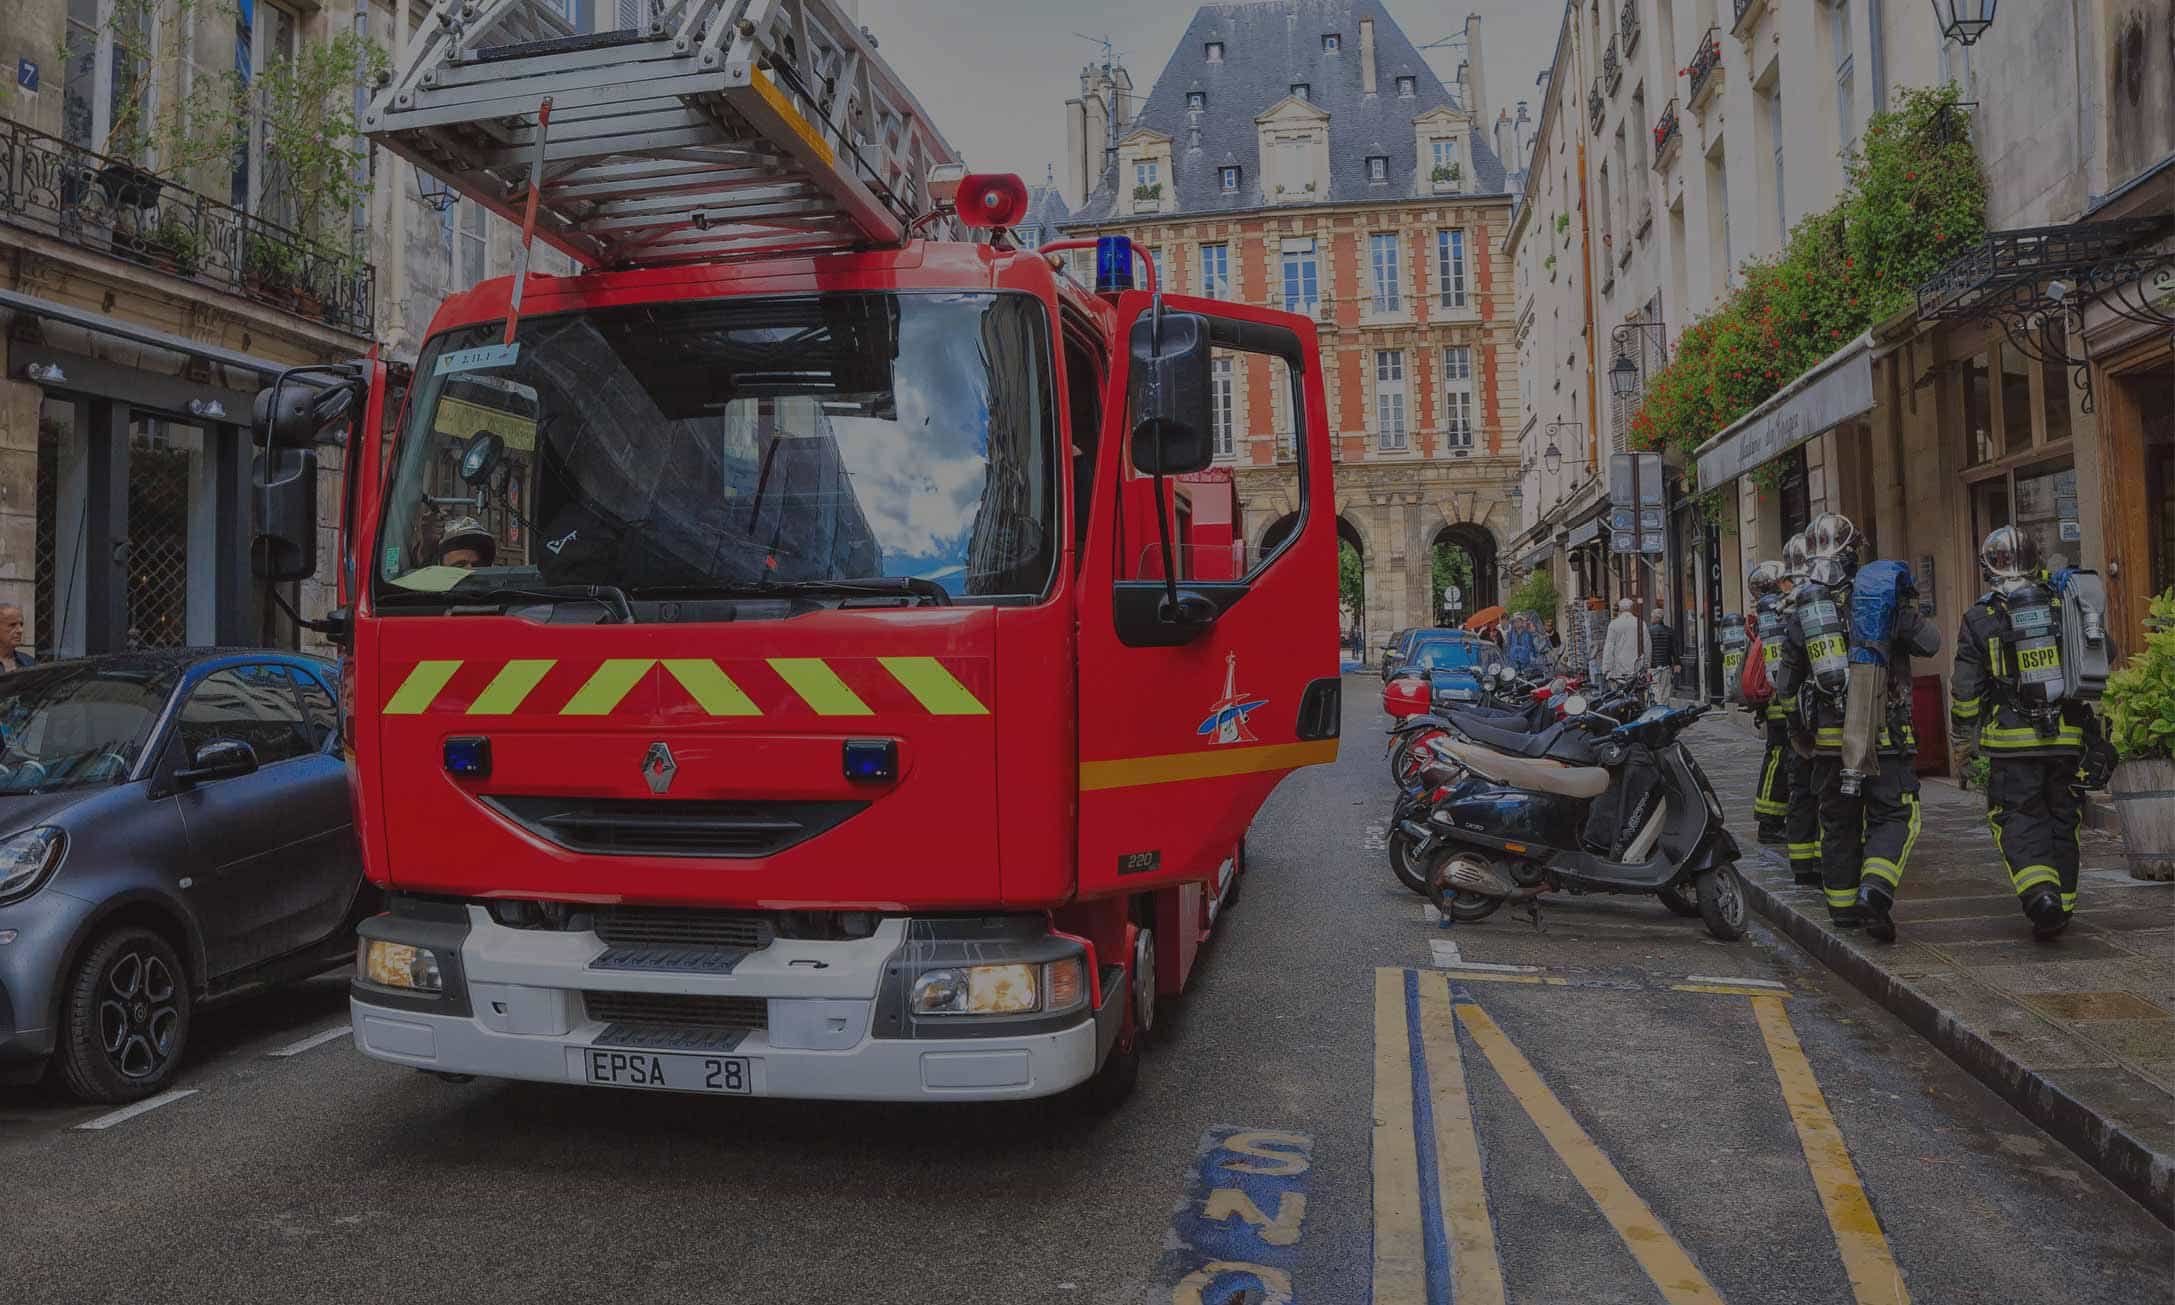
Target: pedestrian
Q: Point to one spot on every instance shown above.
(1624, 650)
(1867, 824)
(2032, 747)
(12, 656)
(1663, 641)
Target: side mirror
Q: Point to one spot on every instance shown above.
(218, 759)
(1170, 394)
(283, 486)
(305, 415)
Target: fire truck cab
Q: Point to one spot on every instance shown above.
(825, 670)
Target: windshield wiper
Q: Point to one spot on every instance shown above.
(494, 601)
(904, 586)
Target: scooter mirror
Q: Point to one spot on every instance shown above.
(1575, 705)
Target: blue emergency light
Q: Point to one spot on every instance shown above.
(468, 758)
(872, 760)
(1113, 264)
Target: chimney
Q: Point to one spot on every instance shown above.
(1366, 56)
(1505, 139)
(1476, 99)
(1522, 135)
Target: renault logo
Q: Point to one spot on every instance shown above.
(658, 767)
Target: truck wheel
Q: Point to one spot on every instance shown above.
(125, 1018)
(1120, 1070)
(1238, 876)
(1722, 902)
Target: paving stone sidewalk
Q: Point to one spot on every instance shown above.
(2078, 1032)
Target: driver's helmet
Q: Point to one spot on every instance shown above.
(1793, 557)
(1832, 535)
(1764, 579)
(2009, 554)
(467, 532)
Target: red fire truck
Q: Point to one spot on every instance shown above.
(804, 654)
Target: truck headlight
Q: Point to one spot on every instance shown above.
(978, 990)
(399, 965)
(26, 859)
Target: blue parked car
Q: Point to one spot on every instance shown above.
(1457, 665)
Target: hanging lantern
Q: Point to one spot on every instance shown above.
(1964, 21)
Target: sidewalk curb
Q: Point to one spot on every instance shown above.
(2145, 1175)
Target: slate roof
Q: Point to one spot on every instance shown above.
(1269, 46)
(1046, 210)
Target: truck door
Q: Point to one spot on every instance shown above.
(1185, 729)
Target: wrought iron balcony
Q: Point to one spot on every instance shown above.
(1612, 68)
(114, 207)
(1597, 106)
(1706, 65)
(1745, 9)
(1667, 133)
(1627, 25)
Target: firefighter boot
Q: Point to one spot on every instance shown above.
(2044, 906)
(1876, 907)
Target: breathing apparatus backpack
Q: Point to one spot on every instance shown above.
(1772, 623)
(2031, 650)
(1822, 622)
(1877, 596)
(1734, 640)
(2087, 651)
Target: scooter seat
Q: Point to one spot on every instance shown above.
(1527, 772)
(1505, 737)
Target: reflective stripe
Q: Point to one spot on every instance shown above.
(1964, 709)
(1885, 870)
(934, 687)
(1910, 838)
(819, 686)
(2069, 901)
(711, 688)
(509, 687)
(2032, 876)
(1762, 803)
(420, 688)
(1804, 851)
(1841, 897)
(607, 688)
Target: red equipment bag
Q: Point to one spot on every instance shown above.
(1752, 682)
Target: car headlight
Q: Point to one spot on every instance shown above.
(1001, 989)
(28, 859)
(399, 965)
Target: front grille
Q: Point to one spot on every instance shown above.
(669, 827)
(672, 926)
(675, 1010)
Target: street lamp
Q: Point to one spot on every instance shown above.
(1964, 21)
(1623, 377)
(1553, 458)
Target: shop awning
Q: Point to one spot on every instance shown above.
(1830, 392)
(1534, 559)
(1583, 533)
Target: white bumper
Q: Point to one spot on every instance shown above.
(530, 1021)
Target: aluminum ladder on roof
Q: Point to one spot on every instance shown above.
(716, 129)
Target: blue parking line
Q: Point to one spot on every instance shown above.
(1435, 1246)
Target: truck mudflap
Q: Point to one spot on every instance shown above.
(795, 1018)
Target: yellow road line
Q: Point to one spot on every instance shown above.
(1476, 1273)
(819, 686)
(417, 692)
(1664, 1260)
(938, 691)
(1873, 1273)
(507, 688)
(1400, 1261)
(1727, 990)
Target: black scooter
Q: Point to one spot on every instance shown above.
(1586, 806)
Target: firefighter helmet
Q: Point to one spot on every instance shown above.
(2009, 554)
(1764, 579)
(1832, 535)
(1793, 557)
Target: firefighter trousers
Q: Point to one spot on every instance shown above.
(1801, 823)
(1868, 836)
(1771, 799)
(2035, 808)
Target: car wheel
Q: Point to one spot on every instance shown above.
(125, 1021)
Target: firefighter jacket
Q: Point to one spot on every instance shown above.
(1914, 637)
(1982, 696)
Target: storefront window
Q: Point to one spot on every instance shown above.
(2046, 509)
(2054, 401)
(2016, 401)
(1796, 497)
(1989, 508)
(1978, 412)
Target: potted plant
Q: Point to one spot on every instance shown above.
(268, 267)
(2140, 705)
(1446, 175)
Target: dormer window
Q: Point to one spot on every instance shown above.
(1378, 167)
(1228, 178)
(1196, 101)
(1331, 42)
(1301, 91)
(1407, 87)
(1214, 51)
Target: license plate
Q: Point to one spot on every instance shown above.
(731, 1075)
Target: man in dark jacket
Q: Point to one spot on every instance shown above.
(12, 656)
(1663, 640)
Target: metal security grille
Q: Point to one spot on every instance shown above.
(45, 551)
(158, 540)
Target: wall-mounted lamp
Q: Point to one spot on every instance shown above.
(1964, 21)
(207, 407)
(46, 373)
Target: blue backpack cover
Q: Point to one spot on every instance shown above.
(1877, 594)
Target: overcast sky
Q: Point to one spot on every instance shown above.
(995, 74)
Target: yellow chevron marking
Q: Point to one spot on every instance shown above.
(509, 687)
(711, 688)
(605, 689)
(934, 687)
(819, 686)
(416, 693)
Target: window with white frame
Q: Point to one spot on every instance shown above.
(1457, 386)
(1445, 152)
(1029, 236)
(1331, 42)
(1389, 398)
(106, 85)
(1407, 87)
(1450, 267)
(1302, 278)
(1213, 51)
(1196, 100)
(1216, 271)
(1301, 90)
(1845, 69)
(1147, 172)
(1221, 385)
(1382, 252)
(1228, 177)
(1774, 135)
(1378, 167)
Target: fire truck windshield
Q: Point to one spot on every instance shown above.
(726, 445)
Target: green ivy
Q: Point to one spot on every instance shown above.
(1913, 198)
(1536, 594)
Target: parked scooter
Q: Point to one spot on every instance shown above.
(1588, 806)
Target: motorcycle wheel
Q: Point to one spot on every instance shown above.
(1682, 898)
(1405, 865)
(1468, 907)
(1722, 902)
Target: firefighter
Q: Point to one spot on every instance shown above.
(1801, 818)
(2032, 739)
(1866, 824)
(1771, 799)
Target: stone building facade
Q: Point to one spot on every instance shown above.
(1303, 156)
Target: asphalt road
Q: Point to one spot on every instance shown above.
(1625, 1120)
